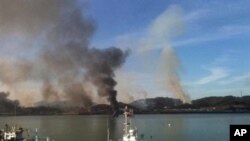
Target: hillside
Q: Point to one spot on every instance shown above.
(147, 106)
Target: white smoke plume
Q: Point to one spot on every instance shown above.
(166, 26)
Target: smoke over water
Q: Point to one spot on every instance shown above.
(52, 49)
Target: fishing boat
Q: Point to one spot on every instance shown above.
(11, 133)
(130, 133)
(14, 133)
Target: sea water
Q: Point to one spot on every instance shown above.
(171, 127)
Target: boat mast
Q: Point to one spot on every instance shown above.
(126, 123)
(108, 135)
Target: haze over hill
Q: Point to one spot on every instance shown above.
(156, 105)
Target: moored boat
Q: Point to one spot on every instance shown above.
(130, 133)
(14, 133)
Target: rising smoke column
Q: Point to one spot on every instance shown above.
(166, 26)
(169, 64)
(54, 37)
(101, 72)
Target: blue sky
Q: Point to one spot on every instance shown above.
(210, 38)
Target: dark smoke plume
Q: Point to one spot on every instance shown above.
(7, 105)
(58, 33)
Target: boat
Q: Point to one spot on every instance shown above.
(11, 133)
(14, 133)
(130, 133)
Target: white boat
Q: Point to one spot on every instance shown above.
(130, 133)
(12, 133)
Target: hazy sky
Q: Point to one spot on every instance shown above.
(196, 47)
(211, 39)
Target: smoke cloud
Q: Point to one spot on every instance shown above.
(169, 66)
(7, 104)
(55, 52)
(166, 26)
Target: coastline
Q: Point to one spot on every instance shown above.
(145, 113)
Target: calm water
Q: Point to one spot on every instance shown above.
(185, 127)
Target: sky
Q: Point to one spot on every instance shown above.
(185, 49)
(210, 38)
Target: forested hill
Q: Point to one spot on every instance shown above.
(150, 105)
